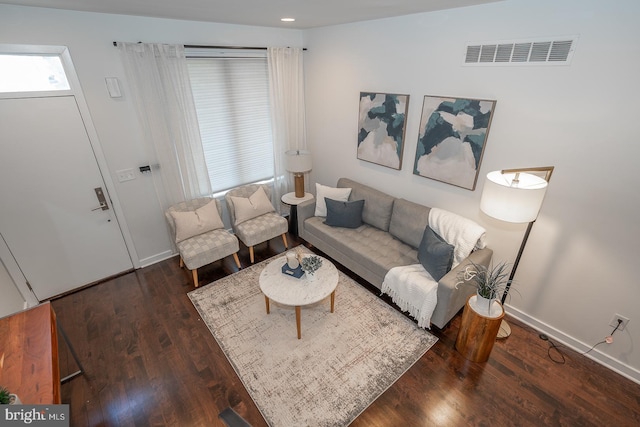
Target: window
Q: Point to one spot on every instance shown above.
(32, 73)
(231, 96)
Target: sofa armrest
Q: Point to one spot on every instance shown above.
(306, 210)
(452, 299)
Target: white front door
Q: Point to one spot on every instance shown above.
(49, 212)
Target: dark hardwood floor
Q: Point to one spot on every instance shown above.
(151, 361)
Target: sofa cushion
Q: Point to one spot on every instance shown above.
(377, 207)
(408, 221)
(369, 247)
(344, 214)
(435, 255)
(322, 192)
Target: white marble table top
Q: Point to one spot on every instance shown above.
(291, 199)
(288, 290)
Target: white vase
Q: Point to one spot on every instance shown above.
(14, 399)
(484, 305)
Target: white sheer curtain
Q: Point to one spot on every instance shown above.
(286, 91)
(161, 90)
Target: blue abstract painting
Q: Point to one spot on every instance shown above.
(452, 137)
(381, 128)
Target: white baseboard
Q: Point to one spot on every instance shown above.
(156, 258)
(568, 341)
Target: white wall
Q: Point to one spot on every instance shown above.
(12, 300)
(579, 265)
(89, 37)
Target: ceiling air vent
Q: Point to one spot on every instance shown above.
(548, 51)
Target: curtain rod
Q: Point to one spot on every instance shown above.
(197, 46)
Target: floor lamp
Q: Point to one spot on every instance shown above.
(515, 195)
(298, 162)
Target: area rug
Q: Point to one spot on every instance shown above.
(343, 362)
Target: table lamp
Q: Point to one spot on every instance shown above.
(298, 162)
(515, 195)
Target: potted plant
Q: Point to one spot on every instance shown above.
(310, 264)
(7, 398)
(490, 282)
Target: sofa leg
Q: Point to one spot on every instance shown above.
(284, 239)
(251, 254)
(194, 272)
(181, 262)
(237, 260)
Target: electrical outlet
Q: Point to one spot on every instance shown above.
(614, 322)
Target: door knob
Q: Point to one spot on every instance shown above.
(101, 199)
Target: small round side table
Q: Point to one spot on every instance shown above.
(477, 332)
(293, 201)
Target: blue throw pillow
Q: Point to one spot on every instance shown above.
(435, 254)
(344, 214)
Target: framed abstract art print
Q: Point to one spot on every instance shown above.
(451, 139)
(381, 127)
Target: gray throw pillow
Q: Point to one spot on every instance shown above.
(344, 214)
(435, 254)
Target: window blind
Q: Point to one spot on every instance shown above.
(232, 103)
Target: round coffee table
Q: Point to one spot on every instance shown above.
(287, 290)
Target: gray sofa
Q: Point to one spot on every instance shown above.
(389, 237)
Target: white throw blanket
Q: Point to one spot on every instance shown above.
(413, 289)
(458, 231)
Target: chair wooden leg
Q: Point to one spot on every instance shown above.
(195, 276)
(181, 262)
(237, 260)
(284, 239)
(251, 254)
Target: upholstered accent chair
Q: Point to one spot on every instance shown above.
(253, 217)
(199, 234)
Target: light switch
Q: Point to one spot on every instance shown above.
(126, 175)
(113, 86)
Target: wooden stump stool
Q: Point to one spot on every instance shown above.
(477, 332)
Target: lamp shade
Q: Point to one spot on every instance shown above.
(298, 161)
(513, 197)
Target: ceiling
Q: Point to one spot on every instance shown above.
(267, 13)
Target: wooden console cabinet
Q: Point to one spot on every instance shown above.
(29, 355)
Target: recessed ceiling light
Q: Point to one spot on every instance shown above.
(288, 19)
